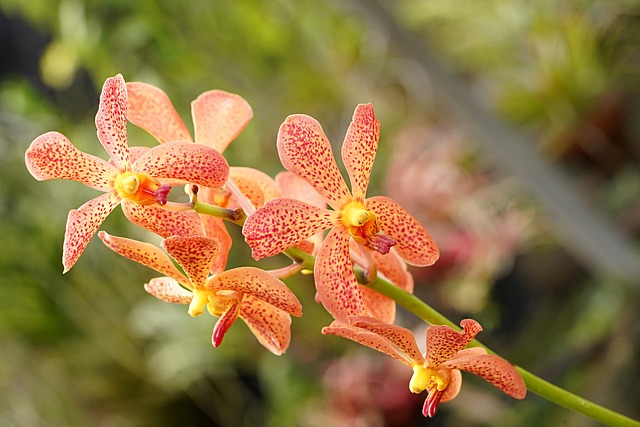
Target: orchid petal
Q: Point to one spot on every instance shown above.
(224, 323)
(194, 254)
(336, 283)
(168, 289)
(359, 149)
(394, 269)
(270, 325)
(294, 187)
(452, 390)
(136, 152)
(401, 337)
(163, 222)
(369, 339)
(53, 156)
(82, 224)
(151, 109)
(493, 369)
(260, 284)
(185, 161)
(218, 117)
(413, 242)
(281, 223)
(145, 254)
(305, 150)
(256, 185)
(443, 342)
(378, 306)
(216, 230)
(111, 120)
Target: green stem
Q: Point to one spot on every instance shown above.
(236, 216)
(427, 313)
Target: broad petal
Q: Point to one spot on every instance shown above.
(151, 109)
(270, 325)
(360, 147)
(413, 242)
(185, 161)
(338, 290)
(453, 388)
(366, 338)
(443, 342)
(260, 284)
(400, 337)
(305, 150)
(294, 187)
(53, 156)
(163, 222)
(256, 185)
(378, 306)
(168, 289)
(218, 117)
(281, 223)
(493, 369)
(82, 224)
(194, 254)
(145, 254)
(111, 120)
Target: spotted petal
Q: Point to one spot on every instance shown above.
(452, 390)
(294, 187)
(281, 223)
(185, 161)
(443, 342)
(493, 369)
(367, 338)
(168, 290)
(218, 117)
(394, 269)
(53, 156)
(111, 120)
(379, 306)
(305, 150)
(400, 337)
(336, 284)
(359, 149)
(270, 325)
(151, 109)
(413, 242)
(145, 254)
(82, 224)
(194, 254)
(163, 222)
(260, 284)
(256, 185)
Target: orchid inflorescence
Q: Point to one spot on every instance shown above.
(287, 214)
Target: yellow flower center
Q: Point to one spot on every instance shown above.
(199, 301)
(360, 222)
(427, 378)
(137, 186)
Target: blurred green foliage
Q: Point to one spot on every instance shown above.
(92, 348)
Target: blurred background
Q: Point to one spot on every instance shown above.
(511, 129)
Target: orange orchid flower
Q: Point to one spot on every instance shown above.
(218, 118)
(263, 302)
(138, 180)
(438, 371)
(377, 223)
